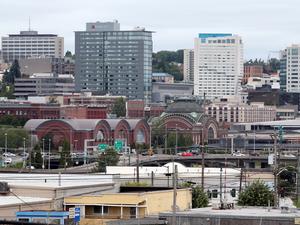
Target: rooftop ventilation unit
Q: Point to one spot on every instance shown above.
(4, 189)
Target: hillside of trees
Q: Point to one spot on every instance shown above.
(271, 66)
(168, 62)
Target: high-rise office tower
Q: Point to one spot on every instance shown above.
(29, 44)
(188, 65)
(218, 65)
(290, 69)
(111, 61)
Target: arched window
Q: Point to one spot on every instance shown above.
(140, 137)
(100, 135)
(211, 133)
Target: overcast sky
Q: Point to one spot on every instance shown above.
(265, 25)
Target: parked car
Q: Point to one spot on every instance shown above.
(254, 153)
(187, 154)
(8, 160)
(32, 167)
(9, 154)
(237, 154)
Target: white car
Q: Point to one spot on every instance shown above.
(9, 154)
(237, 154)
(7, 160)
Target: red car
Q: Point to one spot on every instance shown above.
(187, 154)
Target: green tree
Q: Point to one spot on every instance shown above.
(119, 107)
(287, 181)
(256, 194)
(183, 141)
(65, 158)
(158, 133)
(199, 196)
(36, 157)
(108, 158)
(68, 54)
(14, 137)
(14, 72)
(168, 62)
(12, 121)
(7, 90)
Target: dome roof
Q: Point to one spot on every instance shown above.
(184, 106)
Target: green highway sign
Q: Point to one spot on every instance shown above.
(118, 145)
(102, 147)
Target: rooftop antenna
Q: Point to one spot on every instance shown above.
(29, 28)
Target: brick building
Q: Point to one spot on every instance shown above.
(86, 98)
(138, 109)
(27, 110)
(84, 112)
(252, 71)
(76, 131)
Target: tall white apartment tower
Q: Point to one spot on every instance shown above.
(188, 65)
(290, 69)
(218, 65)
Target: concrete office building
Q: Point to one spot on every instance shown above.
(112, 61)
(218, 68)
(44, 84)
(235, 112)
(289, 69)
(163, 77)
(164, 92)
(31, 44)
(188, 65)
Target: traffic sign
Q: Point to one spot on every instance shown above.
(77, 215)
(118, 145)
(102, 147)
(71, 213)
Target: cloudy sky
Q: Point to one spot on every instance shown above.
(265, 25)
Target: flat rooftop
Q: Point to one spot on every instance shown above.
(14, 200)
(248, 212)
(52, 180)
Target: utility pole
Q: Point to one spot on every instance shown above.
(298, 176)
(43, 155)
(49, 157)
(275, 172)
(221, 189)
(24, 153)
(176, 139)
(202, 168)
(174, 194)
(241, 181)
(137, 166)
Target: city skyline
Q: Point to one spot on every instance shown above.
(261, 25)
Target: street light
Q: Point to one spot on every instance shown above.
(43, 154)
(24, 152)
(168, 174)
(5, 144)
(5, 148)
(75, 143)
(49, 157)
